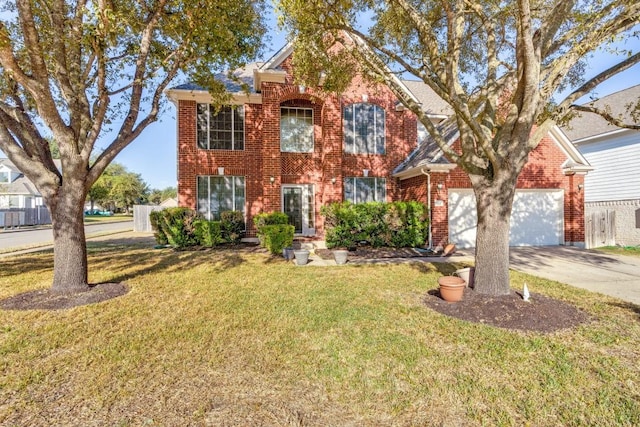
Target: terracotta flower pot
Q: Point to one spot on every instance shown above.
(451, 288)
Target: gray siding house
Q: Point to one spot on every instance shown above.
(614, 184)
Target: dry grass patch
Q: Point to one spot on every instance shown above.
(239, 338)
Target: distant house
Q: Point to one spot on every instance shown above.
(290, 148)
(171, 202)
(16, 191)
(614, 185)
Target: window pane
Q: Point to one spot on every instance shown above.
(349, 190)
(364, 129)
(349, 135)
(296, 130)
(381, 190)
(363, 190)
(238, 128)
(221, 131)
(203, 196)
(203, 125)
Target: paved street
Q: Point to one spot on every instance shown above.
(44, 236)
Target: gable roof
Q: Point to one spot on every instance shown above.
(428, 157)
(590, 125)
(431, 103)
(21, 185)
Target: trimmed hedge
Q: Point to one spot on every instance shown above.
(276, 237)
(181, 228)
(395, 224)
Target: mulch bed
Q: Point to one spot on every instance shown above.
(539, 314)
(45, 299)
(365, 253)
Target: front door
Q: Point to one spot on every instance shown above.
(297, 203)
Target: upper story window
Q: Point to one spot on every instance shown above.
(296, 130)
(362, 190)
(223, 130)
(4, 176)
(364, 129)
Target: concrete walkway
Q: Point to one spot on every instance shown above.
(614, 275)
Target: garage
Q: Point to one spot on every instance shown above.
(537, 218)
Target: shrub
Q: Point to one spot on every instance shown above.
(158, 232)
(264, 219)
(208, 233)
(271, 218)
(232, 226)
(397, 224)
(277, 237)
(175, 226)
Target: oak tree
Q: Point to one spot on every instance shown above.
(498, 64)
(77, 71)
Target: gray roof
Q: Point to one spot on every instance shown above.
(431, 103)
(429, 153)
(245, 75)
(586, 125)
(21, 185)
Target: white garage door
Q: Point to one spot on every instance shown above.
(537, 218)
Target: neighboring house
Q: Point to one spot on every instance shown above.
(614, 185)
(16, 191)
(171, 202)
(289, 148)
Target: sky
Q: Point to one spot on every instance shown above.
(153, 154)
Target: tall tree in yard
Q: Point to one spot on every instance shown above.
(71, 70)
(498, 64)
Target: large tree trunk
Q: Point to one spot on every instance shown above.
(70, 272)
(494, 204)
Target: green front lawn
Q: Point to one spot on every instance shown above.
(621, 250)
(223, 338)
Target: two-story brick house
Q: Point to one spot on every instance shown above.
(290, 148)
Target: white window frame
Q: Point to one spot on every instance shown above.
(375, 129)
(379, 184)
(236, 205)
(298, 125)
(209, 113)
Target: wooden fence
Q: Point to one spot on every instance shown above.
(600, 229)
(141, 222)
(19, 217)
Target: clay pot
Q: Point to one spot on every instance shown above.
(451, 288)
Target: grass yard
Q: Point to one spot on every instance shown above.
(621, 250)
(223, 338)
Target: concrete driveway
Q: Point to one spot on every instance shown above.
(614, 275)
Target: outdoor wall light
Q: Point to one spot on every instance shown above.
(220, 171)
(440, 186)
(333, 180)
(580, 187)
(272, 179)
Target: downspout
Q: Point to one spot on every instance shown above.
(429, 204)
